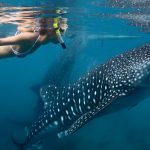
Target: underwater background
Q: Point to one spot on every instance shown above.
(98, 30)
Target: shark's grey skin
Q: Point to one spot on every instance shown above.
(68, 108)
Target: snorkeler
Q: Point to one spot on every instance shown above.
(29, 38)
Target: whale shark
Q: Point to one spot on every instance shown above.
(68, 108)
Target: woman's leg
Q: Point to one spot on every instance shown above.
(5, 51)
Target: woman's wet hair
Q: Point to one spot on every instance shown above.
(43, 20)
(43, 24)
(42, 31)
(46, 23)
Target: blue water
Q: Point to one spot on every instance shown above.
(93, 25)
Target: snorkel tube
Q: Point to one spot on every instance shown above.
(57, 31)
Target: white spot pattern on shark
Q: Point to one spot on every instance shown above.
(69, 108)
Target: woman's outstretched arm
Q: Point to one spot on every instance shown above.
(22, 38)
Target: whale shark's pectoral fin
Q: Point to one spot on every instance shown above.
(79, 123)
(48, 94)
(87, 117)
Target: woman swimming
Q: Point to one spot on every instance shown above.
(31, 34)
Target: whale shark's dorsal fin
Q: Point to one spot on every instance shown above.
(48, 94)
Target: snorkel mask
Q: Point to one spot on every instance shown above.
(59, 31)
